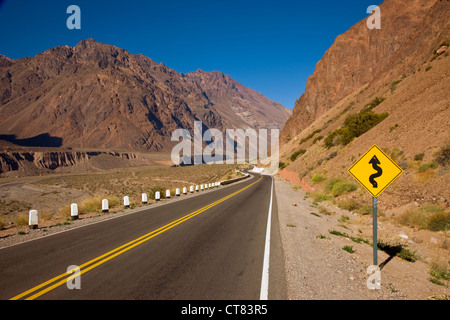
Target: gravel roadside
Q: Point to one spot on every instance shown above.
(317, 267)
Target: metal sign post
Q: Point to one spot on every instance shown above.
(375, 171)
(375, 227)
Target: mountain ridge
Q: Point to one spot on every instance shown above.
(100, 96)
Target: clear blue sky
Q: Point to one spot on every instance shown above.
(270, 46)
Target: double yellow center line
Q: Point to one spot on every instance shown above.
(55, 282)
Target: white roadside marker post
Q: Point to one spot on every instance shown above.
(74, 211)
(126, 202)
(177, 192)
(191, 189)
(184, 190)
(105, 205)
(33, 219)
(167, 194)
(144, 198)
(196, 188)
(157, 195)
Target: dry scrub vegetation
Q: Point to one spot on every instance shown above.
(416, 229)
(53, 194)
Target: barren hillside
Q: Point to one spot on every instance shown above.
(96, 95)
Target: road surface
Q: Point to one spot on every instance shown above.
(211, 246)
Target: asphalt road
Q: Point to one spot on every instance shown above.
(205, 247)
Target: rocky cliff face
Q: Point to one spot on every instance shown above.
(410, 31)
(37, 161)
(99, 96)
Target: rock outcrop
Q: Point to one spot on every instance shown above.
(33, 162)
(410, 31)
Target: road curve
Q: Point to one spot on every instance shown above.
(207, 247)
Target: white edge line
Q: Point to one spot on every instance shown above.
(264, 295)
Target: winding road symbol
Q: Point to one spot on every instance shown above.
(375, 171)
(375, 164)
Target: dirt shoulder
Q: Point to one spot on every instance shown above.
(318, 268)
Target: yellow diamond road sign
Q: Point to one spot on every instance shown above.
(375, 171)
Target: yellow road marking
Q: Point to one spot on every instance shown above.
(118, 251)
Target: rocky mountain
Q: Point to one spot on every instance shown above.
(95, 95)
(361, 57)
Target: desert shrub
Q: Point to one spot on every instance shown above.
(344, 218)
(317, 139)
(362, 122)
(419, 157)
(282, 165)
(427, 166)
(338, 186)
(443, 155)
(330, 140)
(316, 178)
(345, 136)
(440, 271)
(330, 183)
(319, 196)
(375, 102)
(349, 204)
(296, 154)
(113, 201)
(349, 249)
(65, 211)
(21, 220)
(429, 216)
(310, 136)
(90, 205)
(394, 84)
(366, 209)
(439, 221)
(355, 125)
(428, 68)
(408, 255)
(342, 188)
(358, 207)
(324, 211)
(394, 153)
